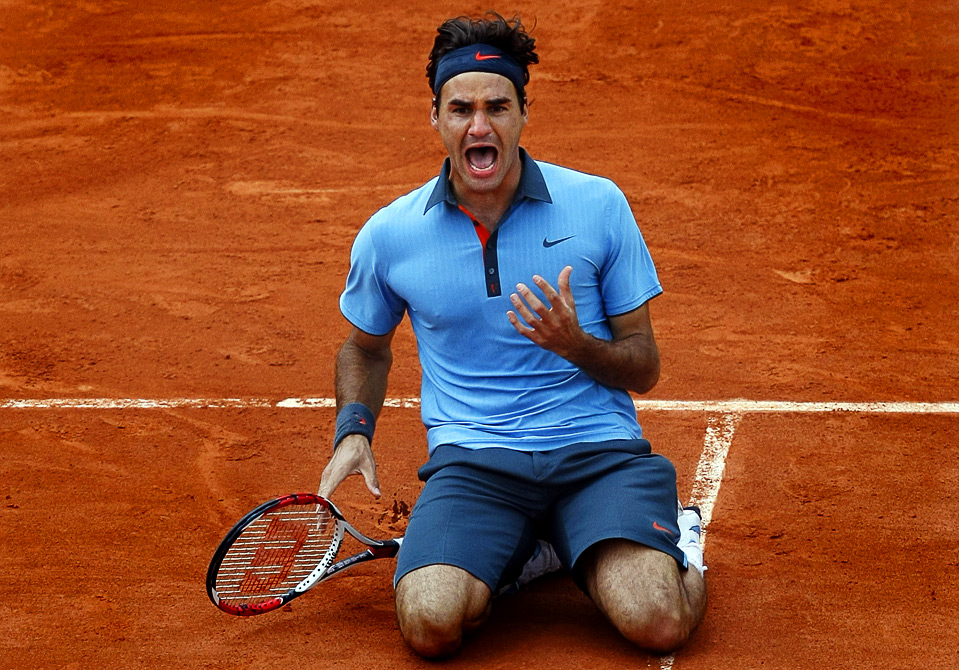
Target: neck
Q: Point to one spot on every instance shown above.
(489, 206)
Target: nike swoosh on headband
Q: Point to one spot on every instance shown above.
(480, 56)
(552, 243)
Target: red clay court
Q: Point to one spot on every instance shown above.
(180, 184)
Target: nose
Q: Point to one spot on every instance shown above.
(479, 124)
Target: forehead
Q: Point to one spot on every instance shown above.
(475, 86)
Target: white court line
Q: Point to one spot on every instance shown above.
(708, 479)
(738, 406)
(135, 403)
(712, 464)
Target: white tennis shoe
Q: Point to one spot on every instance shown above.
(543, 561)
(690, 531)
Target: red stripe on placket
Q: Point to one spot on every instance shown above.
(481, 232)
(490, 263)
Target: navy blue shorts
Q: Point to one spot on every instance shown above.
(482, 510)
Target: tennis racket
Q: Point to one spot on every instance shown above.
(282, 549)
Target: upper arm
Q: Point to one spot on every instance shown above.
(634, 331)
(373, 346)
(634, 322)
(369, 301)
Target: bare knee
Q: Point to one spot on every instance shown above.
(431, 634)
(436, 606)
(658, 630)
(644, 595)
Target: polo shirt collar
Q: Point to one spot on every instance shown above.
(531, 184)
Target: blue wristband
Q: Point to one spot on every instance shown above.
(354, 419)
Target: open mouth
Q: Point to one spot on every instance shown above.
(482, 159)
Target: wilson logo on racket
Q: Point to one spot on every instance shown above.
(273, 561)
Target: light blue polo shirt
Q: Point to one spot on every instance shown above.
(484, 384)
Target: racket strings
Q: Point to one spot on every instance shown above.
(275, 553)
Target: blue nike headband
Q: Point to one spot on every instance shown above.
(479, 58)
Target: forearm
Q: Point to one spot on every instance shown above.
(362, 369)
(630, 363)
(361, 375)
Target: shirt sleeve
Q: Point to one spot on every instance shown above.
(368, 302)
(628, 277)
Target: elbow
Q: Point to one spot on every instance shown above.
(646, 384)
(647, 378)
(644, 364)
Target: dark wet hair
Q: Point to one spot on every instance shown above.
(508, 35)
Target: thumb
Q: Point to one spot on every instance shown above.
(372, 482)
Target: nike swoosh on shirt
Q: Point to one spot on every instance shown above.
(552, 243)
(480, 56)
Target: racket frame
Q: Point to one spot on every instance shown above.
(326, 568)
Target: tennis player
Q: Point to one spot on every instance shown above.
(527, 286)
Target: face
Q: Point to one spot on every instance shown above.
(480, 119)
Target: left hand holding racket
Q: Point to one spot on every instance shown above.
(353, 456)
